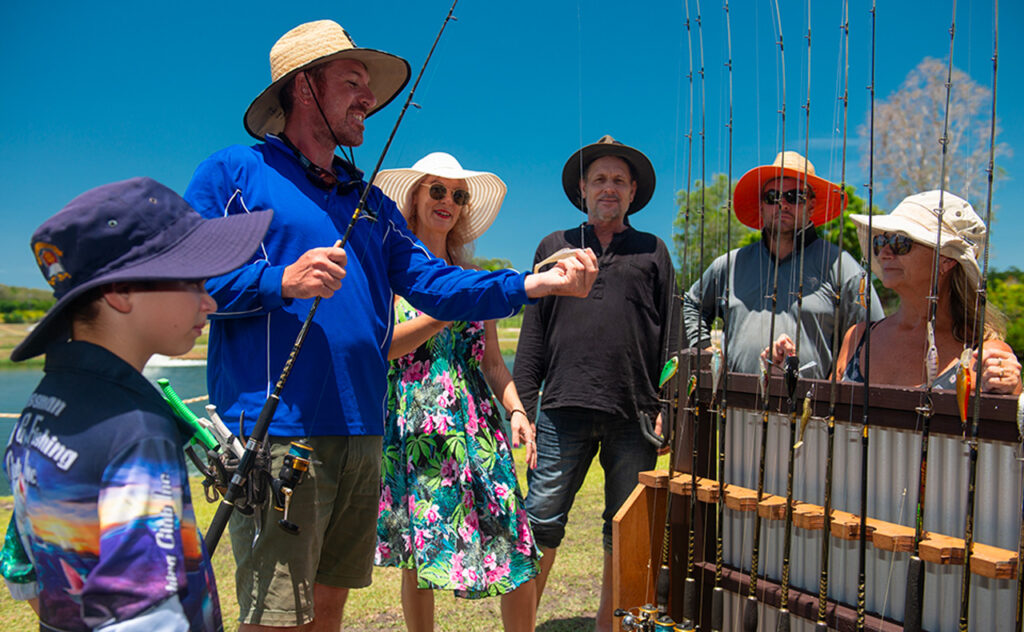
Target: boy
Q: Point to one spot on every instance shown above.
(101, 496)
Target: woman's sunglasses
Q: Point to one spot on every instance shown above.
(793, 196)
(899, 244)
(459, 196)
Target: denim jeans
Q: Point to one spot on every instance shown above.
(567, 441)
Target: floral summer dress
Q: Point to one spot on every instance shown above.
(449, 504)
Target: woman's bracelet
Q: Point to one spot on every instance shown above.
(514, 411)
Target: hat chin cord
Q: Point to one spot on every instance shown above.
(337, 143)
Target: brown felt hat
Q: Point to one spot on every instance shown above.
(576, 166)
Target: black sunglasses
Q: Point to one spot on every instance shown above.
(793, 196)
(459, 196)
(899, 244)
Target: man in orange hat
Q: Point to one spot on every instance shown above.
(323, 89)
(786, 201)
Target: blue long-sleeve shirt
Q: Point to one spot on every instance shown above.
(338, 384)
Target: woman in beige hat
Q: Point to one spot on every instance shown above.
(903, 248)
(450, 511)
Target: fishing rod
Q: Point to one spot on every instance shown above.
(864, 438)
(718, 593)
(792, 367)
(255, 442)
(821, 625)
(689, 622)
(750, 613)
(915, 570)
(965, 587)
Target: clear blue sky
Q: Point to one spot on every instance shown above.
(98, 92)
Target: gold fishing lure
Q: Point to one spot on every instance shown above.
(804, 418)
(862, 292)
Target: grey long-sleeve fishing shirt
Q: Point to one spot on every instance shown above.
(748, 306)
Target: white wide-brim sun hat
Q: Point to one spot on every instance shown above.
(963, 233)
(486, 190)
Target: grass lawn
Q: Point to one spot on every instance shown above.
(569, 604)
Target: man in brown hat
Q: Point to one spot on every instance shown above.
(599, 358)
(323, 89)
(785, 201)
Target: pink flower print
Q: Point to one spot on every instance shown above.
(385, 499)
(478, 350)
(485, 407)
(415, 372)
(449, 472)
(497, 574)
(455, 575)
(383, 551)
(433, 515)
(490, 561)
(501, 491)
(406, 542)
(412, 504)
(467, 499)
(473, 520)
(466, 533)
(492, 508)
(421, 539)
(441, 424)
(428, 424)
(470, 575)
(526, 548)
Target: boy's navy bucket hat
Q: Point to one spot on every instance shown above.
(134, 230)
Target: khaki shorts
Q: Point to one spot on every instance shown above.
(335, 508)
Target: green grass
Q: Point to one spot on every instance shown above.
(569, 604)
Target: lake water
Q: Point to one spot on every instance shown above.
(17, 384)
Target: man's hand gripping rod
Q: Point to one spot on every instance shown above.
(252, 447)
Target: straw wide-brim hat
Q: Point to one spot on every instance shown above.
(312, 44)
(829, 200)
(577, 165)
(962, 238)
(486, 190)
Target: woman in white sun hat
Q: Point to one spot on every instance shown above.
(903, 248)
(451, 515)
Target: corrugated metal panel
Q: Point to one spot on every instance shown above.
(894, 458)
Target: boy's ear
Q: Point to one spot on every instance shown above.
(119, 297)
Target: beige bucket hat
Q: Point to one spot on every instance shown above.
(829, 198)
(312, 44)
(963, 233)
(486, 190)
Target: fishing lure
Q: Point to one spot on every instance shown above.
(804, 418)
(931, 361)
(716, 369)
(555, 257)
(963, 386)
(669, 370)
(862, 292)
(763, 382)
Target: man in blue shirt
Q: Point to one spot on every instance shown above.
(323, 89)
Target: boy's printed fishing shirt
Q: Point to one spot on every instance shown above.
(102, 502)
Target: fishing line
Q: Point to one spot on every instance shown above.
(821, 624)
(965, 590)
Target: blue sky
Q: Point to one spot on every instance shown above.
(98, 92)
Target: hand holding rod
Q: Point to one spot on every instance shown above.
(245, 464)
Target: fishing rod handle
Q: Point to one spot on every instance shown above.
(750, 615)
(782, 623)
(717, 609)
(690, 602)
(662, 587)
(915, 595)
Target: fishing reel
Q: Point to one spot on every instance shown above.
(224, 451)
(646, 619)
(293, 472)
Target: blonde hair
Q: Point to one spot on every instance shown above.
(459, 249)
(963, 306)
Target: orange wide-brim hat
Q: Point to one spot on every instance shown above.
(829, 200)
